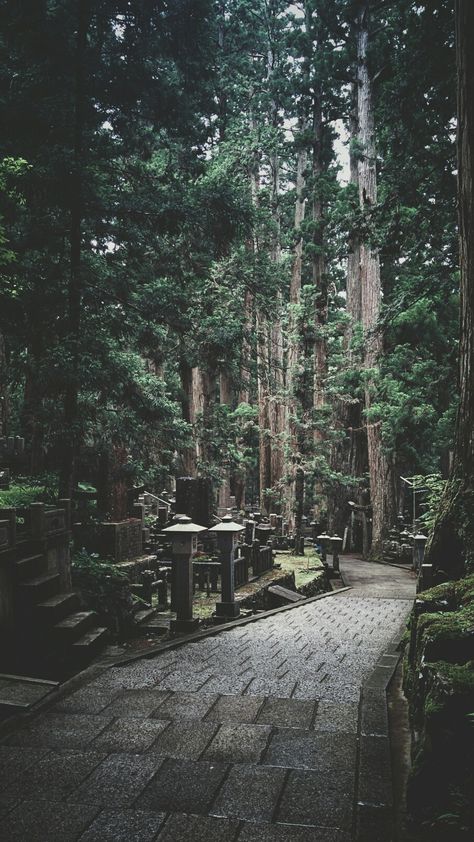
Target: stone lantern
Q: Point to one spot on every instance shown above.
(183, 536)
(227, 533)
(336, 544)
(419, 544)
(324, 541)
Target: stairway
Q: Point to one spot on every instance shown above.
(53, 638)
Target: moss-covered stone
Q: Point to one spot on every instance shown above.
(439, 683)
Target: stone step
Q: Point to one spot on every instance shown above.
(278, 595)
(90, 644)
(74, 626)
(57, 607)
(27, 568)
(144, 615)
(38, 589)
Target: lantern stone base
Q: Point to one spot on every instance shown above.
(184, 626)
(229, 610)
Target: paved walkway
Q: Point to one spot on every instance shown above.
(250, 734)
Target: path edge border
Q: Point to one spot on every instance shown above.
(374, 808)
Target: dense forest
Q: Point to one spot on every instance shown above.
(229, 248)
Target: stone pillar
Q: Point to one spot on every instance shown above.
(419, 544)
(227, 533)
(336, 544)
(9, 516)
(249, 532)
(65, 503)
(324, 540)
(37, 521)
(184, 544)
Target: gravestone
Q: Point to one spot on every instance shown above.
(194, 498)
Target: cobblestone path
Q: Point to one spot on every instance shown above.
(251, 734)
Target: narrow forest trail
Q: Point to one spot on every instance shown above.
(274, 730)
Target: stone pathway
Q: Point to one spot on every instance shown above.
(251, 734)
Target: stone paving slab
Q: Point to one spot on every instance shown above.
(59, 772)
(238, 743)
(289, 713)
(290, 833)
(60, 730)
(250, 793)
(183, 786)
(329, 754)
(311, 798)
(124, 826)
(186, 828)
(118, 780)
(332, 717)
(38, 821)
(235, 709)
(186, 739)
(14, 761)
(86, 700)
(186, 706)
(136, 703)
(131, 735)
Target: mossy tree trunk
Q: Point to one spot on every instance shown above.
(451, 546)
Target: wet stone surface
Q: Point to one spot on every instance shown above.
(248, 735)
(189, 828)
(183, 786)
(238, 743)
(124, 826)
(251, 793)
(37, 821)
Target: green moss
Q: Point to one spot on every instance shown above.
(459, 677)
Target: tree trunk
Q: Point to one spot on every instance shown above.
(263, 386)
(380, 481)
(31, 420)
(353, 289)
(294, 339)
(75, 286)
(225, 397)
(318, 269)
(451, 546)
(200, 403)
(189, 453)
(276, 408)
(3, 388)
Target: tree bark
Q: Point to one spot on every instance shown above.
(225, 398)
(75, 286)
(3, 388)
(294, 339)
(349, 454)
(32, 423)
(451, 546)
(379, 468)
(318, 269)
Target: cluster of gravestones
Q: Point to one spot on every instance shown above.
(405, 544)
(10, 445)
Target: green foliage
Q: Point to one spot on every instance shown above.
(27, 490)
(103, 589)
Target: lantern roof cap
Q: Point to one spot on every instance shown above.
(185, 526)
(227, 525)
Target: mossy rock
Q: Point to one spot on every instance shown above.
(448, 596)
(442, 778)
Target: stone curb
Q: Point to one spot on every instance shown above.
(374, 817)
(95, 670)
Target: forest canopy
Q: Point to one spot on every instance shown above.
(229, 246)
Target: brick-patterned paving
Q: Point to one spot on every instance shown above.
(249, 734)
